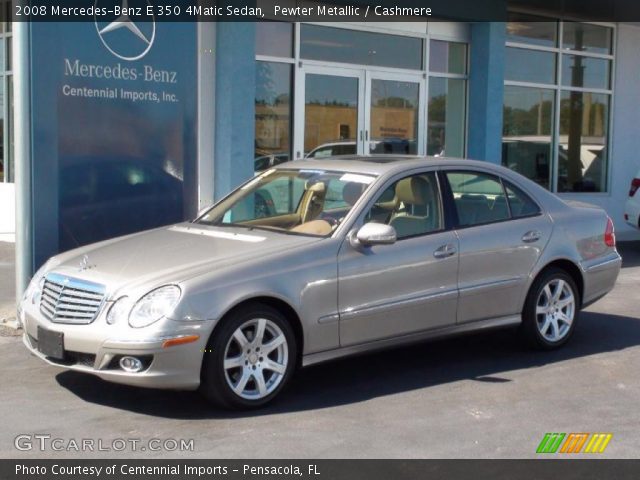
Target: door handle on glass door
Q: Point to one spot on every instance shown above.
(445, 251)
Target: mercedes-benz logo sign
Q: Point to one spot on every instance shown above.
(127, 38)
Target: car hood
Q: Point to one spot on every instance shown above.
(171, 254)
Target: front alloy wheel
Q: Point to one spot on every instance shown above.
(249, 359)
(256, 359)
(551, 310)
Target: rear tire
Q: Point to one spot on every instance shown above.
(551, 310)
(249, 359)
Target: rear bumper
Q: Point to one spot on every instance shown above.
(600, 276)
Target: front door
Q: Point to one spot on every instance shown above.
(351, 111)
(386, 291)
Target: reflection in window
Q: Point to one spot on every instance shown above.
(394, 117)
(274, 39)
(448, 57)
(445, 131)
(525, 65)
(363, 48)
(566, 153)
(523, 28)
(579, 71)
(273, 114)
(527, 129)
(6, 95)
(331, 110)
(582, 152)
(585, 37)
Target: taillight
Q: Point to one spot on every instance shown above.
(610, 234)
(635, 184)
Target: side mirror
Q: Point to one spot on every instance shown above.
(373, 234)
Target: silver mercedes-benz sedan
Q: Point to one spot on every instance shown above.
(318, 259)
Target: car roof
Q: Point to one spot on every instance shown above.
(382, 164)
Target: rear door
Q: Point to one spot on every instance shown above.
(501, 233)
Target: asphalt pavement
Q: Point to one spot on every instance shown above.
(480, 396)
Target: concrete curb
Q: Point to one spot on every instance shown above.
(11, 323)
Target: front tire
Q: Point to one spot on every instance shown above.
(551, 310)
(249, 359)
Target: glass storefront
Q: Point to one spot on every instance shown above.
(6, 94)
(556, 102)
(273, 114)
(356, 91)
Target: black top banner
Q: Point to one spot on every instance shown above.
(319, 469)
(331, 11)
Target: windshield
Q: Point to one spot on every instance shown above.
(308, 202)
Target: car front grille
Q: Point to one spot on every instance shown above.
(69, 300)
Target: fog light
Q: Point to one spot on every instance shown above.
(131, 364)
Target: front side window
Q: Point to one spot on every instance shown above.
(478, 197)
(411, 206)
(311, 202)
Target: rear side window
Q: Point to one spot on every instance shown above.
(479, 198)
(521, 204)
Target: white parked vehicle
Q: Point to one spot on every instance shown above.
(632, 208)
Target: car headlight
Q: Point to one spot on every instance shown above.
(119, 310)
(154, 306)
(34, 289)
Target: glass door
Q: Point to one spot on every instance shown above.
(394, 114)
(358, 111)
(333, 112)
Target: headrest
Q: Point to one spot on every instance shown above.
(318, 187)
(413, 190)
(351, 192)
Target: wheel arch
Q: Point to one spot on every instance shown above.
(277, 304)
(570, 268)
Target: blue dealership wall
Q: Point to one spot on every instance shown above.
(235, 88)
(113, 140)
(486, 91)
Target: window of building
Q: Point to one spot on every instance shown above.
(6, 94)
(358, 47)
(446, 123)
(556, 102)
(359, 90)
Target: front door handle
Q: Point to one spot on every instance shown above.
(445, 251)
(531, 236)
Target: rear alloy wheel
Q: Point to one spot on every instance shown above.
(250, 359)
(551, 310)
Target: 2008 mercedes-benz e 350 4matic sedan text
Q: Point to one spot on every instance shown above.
(318, 259)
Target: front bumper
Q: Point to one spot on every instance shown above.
(94, 349)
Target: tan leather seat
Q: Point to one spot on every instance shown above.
(417, 196)
(314, 227)
(312, 201)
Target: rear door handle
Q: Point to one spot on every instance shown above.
(531, 236)
(445, 251)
